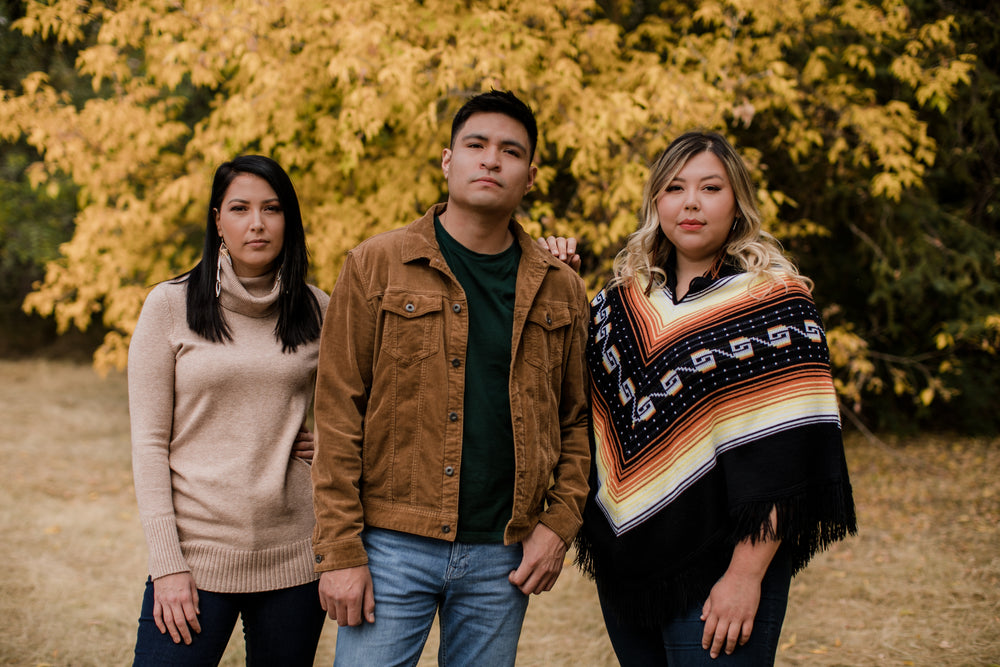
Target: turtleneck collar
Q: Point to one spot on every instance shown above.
(253, 297)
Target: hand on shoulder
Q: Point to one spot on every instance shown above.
(564, 249)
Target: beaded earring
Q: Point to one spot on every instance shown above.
(223, 251)
(277, 281)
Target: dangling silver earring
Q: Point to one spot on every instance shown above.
(223, 250)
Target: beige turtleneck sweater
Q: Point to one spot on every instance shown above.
(219, 492)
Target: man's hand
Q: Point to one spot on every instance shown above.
(304, 446)
(544, 552)
(347, 595)
(175, 606)
(563, 249)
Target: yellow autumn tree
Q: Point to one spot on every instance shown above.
(355, 99)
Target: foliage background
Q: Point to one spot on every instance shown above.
(871, 128)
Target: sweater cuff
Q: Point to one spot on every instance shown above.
(165, 555)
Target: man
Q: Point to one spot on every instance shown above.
(451, 414)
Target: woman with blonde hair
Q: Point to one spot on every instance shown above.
(719, 467)
(745, 245)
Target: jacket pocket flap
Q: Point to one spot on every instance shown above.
(411, 305)
(550, 315)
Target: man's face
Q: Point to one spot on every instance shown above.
(489, 168)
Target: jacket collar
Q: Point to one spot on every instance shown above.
(420, 243)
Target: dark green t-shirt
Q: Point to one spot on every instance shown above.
(486, 492)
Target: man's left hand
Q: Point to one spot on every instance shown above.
(544, 553)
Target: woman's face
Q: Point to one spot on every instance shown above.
(697, 210)
(252, 223)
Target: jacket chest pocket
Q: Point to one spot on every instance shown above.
(545, 333)
(412, 326)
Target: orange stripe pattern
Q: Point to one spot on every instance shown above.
(675, 385)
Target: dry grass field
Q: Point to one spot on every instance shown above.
(920, 584)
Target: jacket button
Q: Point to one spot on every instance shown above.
(319, 559)
(548, 319)
(445, 529)
(410, 308)
(449, 470)
(457, 307)
(453, 416)
(456, 362)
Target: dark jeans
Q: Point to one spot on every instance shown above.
(678, 643)
(280, 627)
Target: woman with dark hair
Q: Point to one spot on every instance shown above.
(221, 374)
(718, 464)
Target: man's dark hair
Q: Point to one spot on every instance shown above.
(497, 101)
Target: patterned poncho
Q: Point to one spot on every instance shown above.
(707, 413)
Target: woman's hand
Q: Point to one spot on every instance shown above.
(729, 612)
(563, 249)
(732, 603)
(175, 606)
(304, 445)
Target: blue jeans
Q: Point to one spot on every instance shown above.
(417, 577)
(678, 643)
(280, 627)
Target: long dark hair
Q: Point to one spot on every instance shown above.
(299, 316)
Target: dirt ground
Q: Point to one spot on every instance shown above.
(919, 585)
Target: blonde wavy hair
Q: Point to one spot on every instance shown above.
(748, 246)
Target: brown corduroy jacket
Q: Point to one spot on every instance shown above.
(390, 391)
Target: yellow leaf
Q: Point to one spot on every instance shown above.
(927, 395)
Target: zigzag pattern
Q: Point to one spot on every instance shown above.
(675, 385)
(702, 361)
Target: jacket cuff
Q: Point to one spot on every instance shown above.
(562, 522)
(339, 555)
